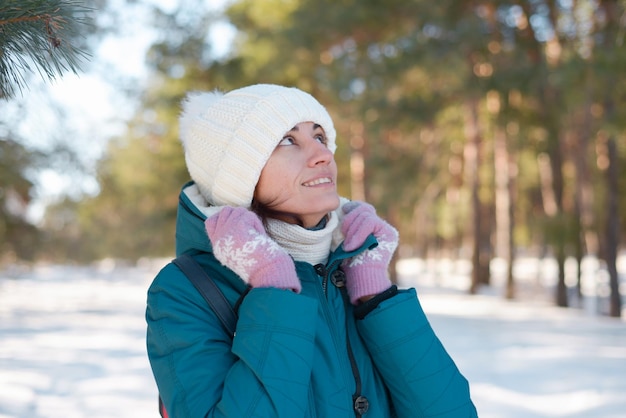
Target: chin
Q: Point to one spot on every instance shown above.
(333, 203)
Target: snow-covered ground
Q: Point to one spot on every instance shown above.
(72, 345)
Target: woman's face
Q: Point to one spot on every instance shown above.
(299, 179)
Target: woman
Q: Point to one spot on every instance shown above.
(321, 330)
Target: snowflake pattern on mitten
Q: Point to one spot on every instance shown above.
(242, 259)
(241, 243)
(384, 250)
(366, 273)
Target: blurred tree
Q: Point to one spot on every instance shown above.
(609, 32)
(612, 229)
(19, 237)
(544, 59)
(470, 124)
(142, 171)
(35, 37)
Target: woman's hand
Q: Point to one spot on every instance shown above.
(366, 273)
(240, 243)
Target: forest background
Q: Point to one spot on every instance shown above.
(482, 129)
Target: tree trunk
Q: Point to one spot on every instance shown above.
(587, 239)
(556, 160)
(612, 229)
(504, 239)
(612, 41)
(552, 191)
(561, 289)
(580, 253)
(472, 164)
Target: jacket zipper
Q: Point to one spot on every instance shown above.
(323, 271)
(359, 402)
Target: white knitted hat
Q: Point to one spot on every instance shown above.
(228, 138)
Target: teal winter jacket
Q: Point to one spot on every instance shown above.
(293, 355)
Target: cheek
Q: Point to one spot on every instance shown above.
(272, 183)
(333, 166)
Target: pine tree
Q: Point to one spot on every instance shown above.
(39, 37)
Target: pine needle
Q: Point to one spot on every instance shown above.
(39, 37)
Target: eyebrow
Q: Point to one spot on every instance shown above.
(296, 129)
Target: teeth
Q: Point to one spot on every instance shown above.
(318, 181)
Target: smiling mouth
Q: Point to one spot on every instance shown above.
(316, 182)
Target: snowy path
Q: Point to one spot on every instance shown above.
(533, 361)
(72, 346)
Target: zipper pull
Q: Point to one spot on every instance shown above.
(320, 269)
(338, 278)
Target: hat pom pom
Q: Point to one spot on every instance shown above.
(195, 105)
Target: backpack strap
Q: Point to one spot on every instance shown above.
(209, 291)
(213, 296)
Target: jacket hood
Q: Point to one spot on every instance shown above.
(191, 236)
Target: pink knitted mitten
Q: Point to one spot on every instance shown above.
(241, 244)
(366, 273)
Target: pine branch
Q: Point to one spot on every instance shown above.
(39, 36)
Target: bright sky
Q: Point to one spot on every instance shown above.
(97, 109)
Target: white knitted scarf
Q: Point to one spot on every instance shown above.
(304, 244)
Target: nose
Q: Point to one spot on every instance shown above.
(319, 153)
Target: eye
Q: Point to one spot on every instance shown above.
(321, 138)
(286, 141)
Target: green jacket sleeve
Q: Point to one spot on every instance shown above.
(422, 378)
(265, 372)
